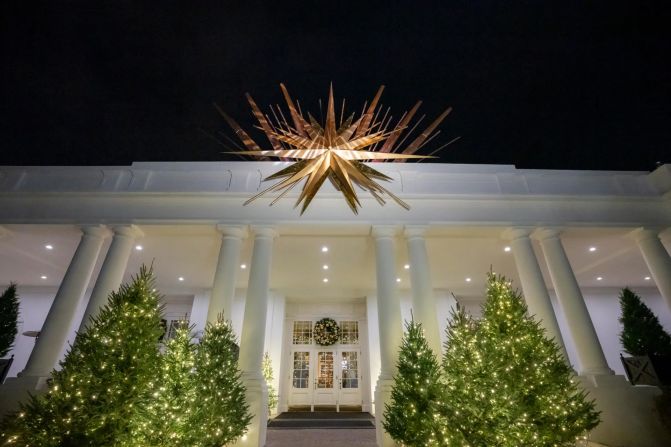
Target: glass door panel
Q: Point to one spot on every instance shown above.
(350, 383)
(301, 389)
(325, 380)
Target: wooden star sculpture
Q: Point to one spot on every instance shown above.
(326, 151)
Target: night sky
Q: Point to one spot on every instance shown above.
(537, 84)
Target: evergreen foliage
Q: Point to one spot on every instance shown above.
(221, 414)
(642, 334)
(267, 369)
(413, 417)
(165, 420)
(509, 382)
(9, 314)
(103, 379)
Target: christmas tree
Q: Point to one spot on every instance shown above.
(642, 334)
(511, 383)
(9, 314)
(220, 414)
(461, 359)
(413, 417)
(103, 378)
(267, 368)
(165, 420)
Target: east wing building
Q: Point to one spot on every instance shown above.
(569, 239)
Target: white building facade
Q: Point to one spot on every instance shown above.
(569, 239)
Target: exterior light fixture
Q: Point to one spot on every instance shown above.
(599, 278)
(181, 278)
(325, 267)
(592, 249)
(243, 266)
(325, 280)
(407, 266)
(138, 247)
(325, 249)
(49, 247)
(468, 279)
(43, 277)
(506, 249)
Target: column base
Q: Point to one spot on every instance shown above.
(629, 416)
(382, 397)
(257, 399)
(15, 391)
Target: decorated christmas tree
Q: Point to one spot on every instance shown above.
(267, 368)
(102, 380)
(9, 314)
(221, 413)
(642, 334)
(511, 383)
(166, 418)
(461, 359)
(413, 417)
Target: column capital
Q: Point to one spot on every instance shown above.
(96, 230)
(384, 231)
(543, 234)
(128, 230)
(234, 231)
(415, 231)
(643, 233)
(514, 233)
(265, 231)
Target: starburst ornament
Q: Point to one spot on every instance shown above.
(326, 151)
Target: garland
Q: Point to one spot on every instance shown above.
(326, 332)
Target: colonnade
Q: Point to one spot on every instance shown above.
(591, 358)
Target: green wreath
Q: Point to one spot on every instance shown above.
(326, 332)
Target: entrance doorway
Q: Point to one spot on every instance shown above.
(325, 377)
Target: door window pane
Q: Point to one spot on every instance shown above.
(325, 370)
(302, 334)
(349, 366)
(301, 375)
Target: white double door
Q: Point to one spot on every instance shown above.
(325, 376)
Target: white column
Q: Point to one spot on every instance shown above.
(590, 355)
(112, 270)
(253, 334)
(533, 285)
(223, 288)
(55, 330)
(423, 301)
(390, 324)
(657, 259)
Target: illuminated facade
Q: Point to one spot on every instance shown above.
(569, 239)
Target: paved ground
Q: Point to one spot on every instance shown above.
(321, 437)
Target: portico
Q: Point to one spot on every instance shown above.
(264, 267)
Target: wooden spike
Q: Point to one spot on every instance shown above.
(389, 144)
(264, 124)
(412, 148)
(292, 110)
(244, 137)
(368, 116)
(330, 127)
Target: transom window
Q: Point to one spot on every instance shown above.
(302, 334)
(349, 332)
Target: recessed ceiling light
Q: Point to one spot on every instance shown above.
(243, 266)
(398, 279)
(592, 248)
(138, 247)
(325, 280)
(325, 267)
(407, 266)
(325, 249)
(468, 279)
(647, 278)
(181, 278)
(49, 247)
(506, 249)
(43, 277)
(599, 278)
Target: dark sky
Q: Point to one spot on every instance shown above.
(538, 84)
